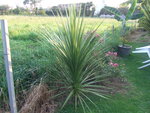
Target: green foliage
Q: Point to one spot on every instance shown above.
(78, 71)
(119, 15)
(20, 11)
(87, 9)
(114, 11)
(17, 10)
(33, 4)
(137, 16)
(131, 9)
(30, 61)
(41, 12)
(129, 2)
(145, 21)
(3, 92)
(4, 9)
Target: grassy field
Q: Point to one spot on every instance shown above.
(23, 27)
(31, 60)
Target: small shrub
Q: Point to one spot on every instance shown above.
(112, 65)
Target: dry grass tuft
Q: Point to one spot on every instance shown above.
(38, 101)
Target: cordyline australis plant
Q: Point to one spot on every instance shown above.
(78, 73)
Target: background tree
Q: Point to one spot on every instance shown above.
(125, 4)
(20, 11)
(33, 4)
(87, 9)
(103, 11)
(41, 11)
(52, 11)
(4, 9)
(17, 10)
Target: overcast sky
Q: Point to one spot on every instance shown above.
(48, 3)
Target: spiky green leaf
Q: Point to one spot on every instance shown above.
(131, 9)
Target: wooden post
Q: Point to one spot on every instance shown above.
(8, 66)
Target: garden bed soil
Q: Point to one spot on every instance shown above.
(138, 35)
(116, 84)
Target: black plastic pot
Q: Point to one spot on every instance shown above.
(124, 50)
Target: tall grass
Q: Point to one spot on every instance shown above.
(30, 60)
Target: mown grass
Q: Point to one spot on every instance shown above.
(31, 60)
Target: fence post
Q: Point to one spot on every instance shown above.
(8, 66)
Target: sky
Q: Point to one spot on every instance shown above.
(48, 3)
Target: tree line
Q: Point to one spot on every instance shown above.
(87, 9)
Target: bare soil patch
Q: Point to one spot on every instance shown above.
(116, 84)
(138, 35)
